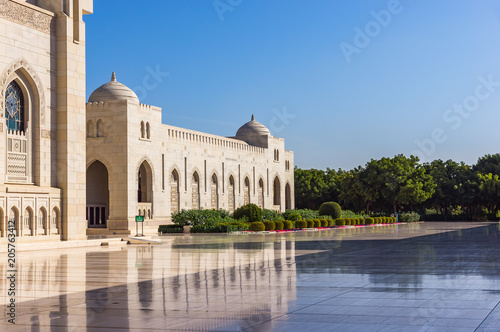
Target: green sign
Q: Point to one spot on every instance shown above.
(139, 218)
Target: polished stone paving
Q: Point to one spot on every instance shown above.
(414, 277)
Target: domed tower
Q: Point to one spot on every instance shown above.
(112, 91)
(254, 133)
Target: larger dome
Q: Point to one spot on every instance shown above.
(252, 128)
(112, 91)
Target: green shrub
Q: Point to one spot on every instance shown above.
(317, 223)
(331, 209)
(310, 223)
(304, 213)
(361, 221)
(279, 225)
(251, 211)
(170, 229)
(221, 228)
(287, 224)
(294, 216)
(301, 224)
(272, 215)
(331, 222)
(339, 222)
(257, 226)
(393, 219)
(347, 221)
(409, 217)
(324, 222)
(369, 221)
(270, 225)
(200, 217)
(350, 214)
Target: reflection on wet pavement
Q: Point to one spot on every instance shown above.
(415, 277)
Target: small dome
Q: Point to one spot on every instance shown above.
(252, 128)
(111, 91)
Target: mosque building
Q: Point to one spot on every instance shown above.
(71, 167)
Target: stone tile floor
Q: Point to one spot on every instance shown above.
(415, 277)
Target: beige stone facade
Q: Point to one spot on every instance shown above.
(69, 167)
(153, 169)
(42, 143)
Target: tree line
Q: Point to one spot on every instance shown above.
(404, 184)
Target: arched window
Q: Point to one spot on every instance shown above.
(174, 192)
(246, 192)
(214, 193)
(142, 129)
(148, 131)
(231, 194)
(261, 194)
(100, 128)
(195, 188)
(277, 192)
(14, 107)
(90, 128)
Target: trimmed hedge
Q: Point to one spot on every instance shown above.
(317, 223)
(331, 209)
(287, 224)
(220, 228)
(269, 225)
(301, 224)
(369, 221)
(170, 229)
(257, 226)
(310, 223)
(324, 223)
(339, 222)
(279, 225)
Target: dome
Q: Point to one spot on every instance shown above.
(112, 91)
(252, 128)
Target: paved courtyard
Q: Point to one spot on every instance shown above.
(416, 277)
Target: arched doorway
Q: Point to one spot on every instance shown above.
(231, 194)
(288, 197)
(97, 195)
(261, 194)
(174, 192)
(277, 193)
(195, 188)
(246, 192)
(55, 221)
(214, 192)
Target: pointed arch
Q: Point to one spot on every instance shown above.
(22, 68)
(55, 221)
(246, 190)
(14, 219)
(145, 182)
(97, 203)
(28, 222)
(174, 191)
(214, 191)
(288, 196)
(195, 190)
(23, 159)
(277, 192)
(42, 227)
(231, 193)
(90, 128)
(260, 193)
(100, 128)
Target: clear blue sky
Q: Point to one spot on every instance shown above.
(348, 97)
